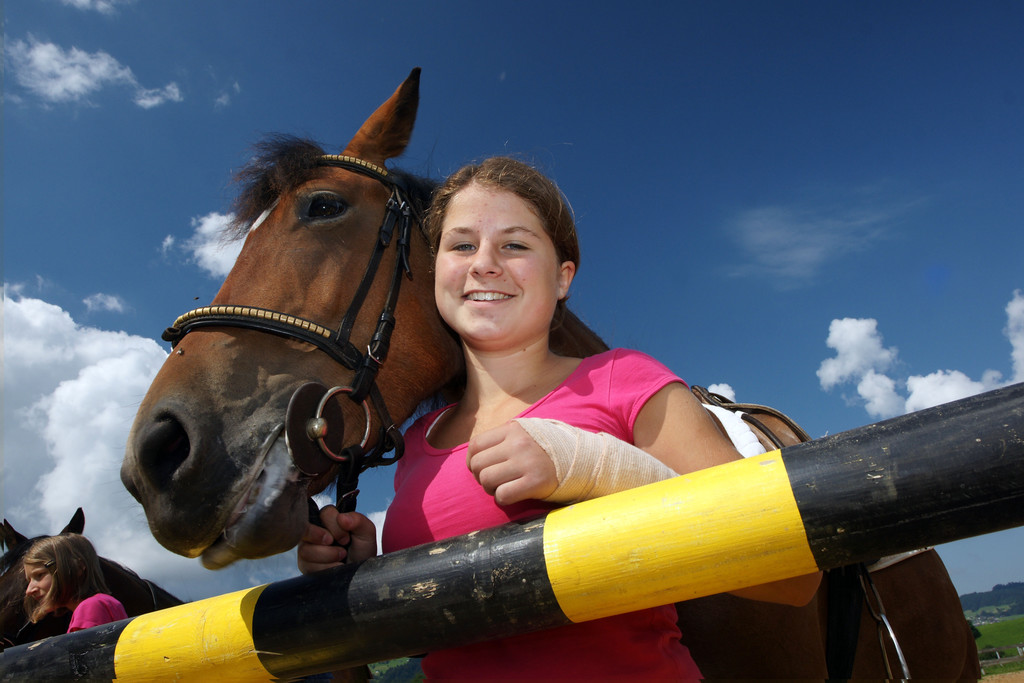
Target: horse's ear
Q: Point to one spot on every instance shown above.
(10, 537)
(77, 523)
(387, 132)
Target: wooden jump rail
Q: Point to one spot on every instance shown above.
(999, 661)
(931, 477)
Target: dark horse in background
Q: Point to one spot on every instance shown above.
(319, 279)
(138, 595)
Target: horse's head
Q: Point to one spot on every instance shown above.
(312, 298)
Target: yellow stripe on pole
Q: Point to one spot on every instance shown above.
(701, 543)
(206, 639)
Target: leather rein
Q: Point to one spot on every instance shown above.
(302, 429)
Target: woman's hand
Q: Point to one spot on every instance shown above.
(317, 549)
(510, 465)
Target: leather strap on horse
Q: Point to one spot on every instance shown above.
(747, 412)
(842, 630)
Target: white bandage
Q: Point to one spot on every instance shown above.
(590, 465)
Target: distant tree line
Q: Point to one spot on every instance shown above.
(1008, 595)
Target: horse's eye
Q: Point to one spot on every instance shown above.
(325, 205)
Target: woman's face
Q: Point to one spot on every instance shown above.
(497, 276)
(40, 580)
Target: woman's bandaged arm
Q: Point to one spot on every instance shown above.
(590, 465)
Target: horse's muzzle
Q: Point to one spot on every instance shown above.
(274, 496)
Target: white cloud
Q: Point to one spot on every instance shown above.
(378, 521)
(104, 302)
(879, 394)
(59, 76)
(147, 98)
(944, 386)
(101, 6)
(224, 99)
(861, 358)
(791, 244)
(208, 248)
(858, 348)
(723, 390)
(1015, 333)
(70, 394)
(56, 75)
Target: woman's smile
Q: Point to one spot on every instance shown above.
(487, 296)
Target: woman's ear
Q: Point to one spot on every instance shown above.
(566, 272)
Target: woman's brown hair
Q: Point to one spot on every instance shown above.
(76, 571)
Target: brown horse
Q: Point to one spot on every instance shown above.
(238, 428)
(138, 595)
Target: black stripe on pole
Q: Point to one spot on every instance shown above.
(930, 477)
(82, 655)
(482, 586)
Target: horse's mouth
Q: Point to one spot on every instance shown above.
(271, 513)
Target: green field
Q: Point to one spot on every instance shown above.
(1005, 633)
(397, 670)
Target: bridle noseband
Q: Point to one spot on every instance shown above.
(396, 227)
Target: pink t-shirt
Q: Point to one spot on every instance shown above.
(95, 610)
(436, 497)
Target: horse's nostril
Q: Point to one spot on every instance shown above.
(164, 449)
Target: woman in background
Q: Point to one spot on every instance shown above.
(64, 574)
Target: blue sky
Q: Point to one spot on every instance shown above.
(817, 204)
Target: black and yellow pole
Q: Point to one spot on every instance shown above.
(931, 477)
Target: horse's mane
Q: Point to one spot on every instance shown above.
(280, 162)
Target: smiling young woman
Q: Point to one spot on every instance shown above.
(533, 429)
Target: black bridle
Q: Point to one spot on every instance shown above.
(302, 429)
